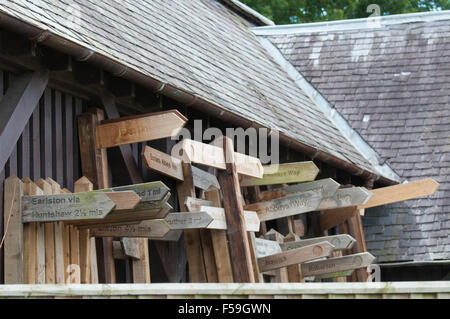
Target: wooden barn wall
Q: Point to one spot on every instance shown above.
(48, 146)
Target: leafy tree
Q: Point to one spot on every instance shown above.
(301, 11)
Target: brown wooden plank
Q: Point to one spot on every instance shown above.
(232, 201)
(355, 230)
(95, 168)
(84, 185)
(17, 105)
(280, 275)
(13, 240)
(75, 252)
(29, 238)
(401, 192)
(333, 217)
(141, 128)
(197, 272)
(59, 241)
(49, 235)
(68, 139)
(141, 267)
(294, 271)
(220, 244)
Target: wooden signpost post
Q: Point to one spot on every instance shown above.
(339, 242)
(141, 128)
(283, 173)
(194, 204)
(338, 266)
(295, 256)
(266, 247)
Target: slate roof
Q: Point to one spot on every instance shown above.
(199, 46)
(391, 82)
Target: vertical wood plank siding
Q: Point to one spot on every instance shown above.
(48, 146)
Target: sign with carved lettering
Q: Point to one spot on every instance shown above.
(346, 197)
(342, 241)
(337, 264)
(213, 156)
(148, 192)
(251, 219)
(60, 207)
(266, 247)
(189, 220)
(157, 228)
(163, 163)
(140, 128)
(286, 206)
(295, 256)
(173, 236)
(283, 173)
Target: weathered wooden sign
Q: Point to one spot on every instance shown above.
(286, 206)
(194, 204)
(324, 187)
(60, 207)
(213, 156)
(204, 180)
(163, 163)
(140, 128)
(157, 228)
(342, 241)
(190, 220)
(266, 247)
(337, 264)
(251, 219)
(148, 192)
(283, 173)
(171, 166)
(345, 197)
(131, 248)
(295, 256)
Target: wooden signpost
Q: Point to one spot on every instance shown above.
(283, 173)
(189, 220)
(286, 206)
(252, 222)
(157, 228)
(213, 156)
(324, 187)
(338, 266)
(295, 256)
(171, 166)
(78, 206)
(266, 247)
(194, 204)
(141, 128)
(346, 197)
(340, 242)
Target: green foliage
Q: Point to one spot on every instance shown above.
(300, 11)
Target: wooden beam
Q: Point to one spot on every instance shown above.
(401, 192)
(240, 254)
(95, 168)
(185, 189)
(355, 230)
(17, 105)
(13, 244)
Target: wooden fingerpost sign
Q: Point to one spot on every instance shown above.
(240, 254)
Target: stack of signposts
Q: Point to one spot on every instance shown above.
(50, 232)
